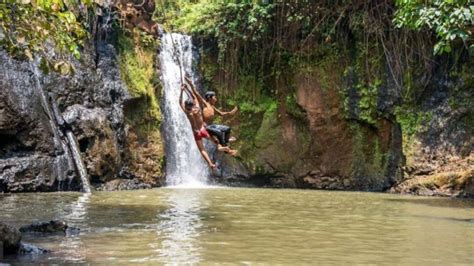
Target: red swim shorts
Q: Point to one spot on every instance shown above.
(202, 133)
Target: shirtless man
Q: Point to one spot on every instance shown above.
(193, 112)
(219, 132)
(191, 108)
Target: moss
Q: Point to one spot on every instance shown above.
(368, 94)
(270, 143)
(412, 122)
(268, 131)
(252, 131)
(144, 144)
(137, 70)
(462, 95)
(359, 158)
(369, 162)
(321, 63)
(364, 76)
(293, 108)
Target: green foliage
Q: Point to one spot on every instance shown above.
(368, 94)
(230, 23)
(29, 27)
(293, 108)
(251, 114)
(137, 70)
(220, 19)
(364, 76)
(251, 96)
(411, 121)
(269, 129)
(369, 160)
(462, 96)
(450, 20)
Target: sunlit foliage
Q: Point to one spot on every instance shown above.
(28, 27)
(451, 20)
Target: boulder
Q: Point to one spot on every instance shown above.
(45, 227)
(97, 140)
(10, 238)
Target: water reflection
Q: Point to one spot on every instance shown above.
(179, 227)
(73, 245)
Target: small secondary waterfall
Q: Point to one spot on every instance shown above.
(55, 119)
(184, 164)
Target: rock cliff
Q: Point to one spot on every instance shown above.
(95, 104)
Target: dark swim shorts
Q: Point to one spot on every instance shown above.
(221, 132)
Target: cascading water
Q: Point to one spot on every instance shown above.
(59, 144)
(184, 164)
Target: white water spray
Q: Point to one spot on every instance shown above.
(184, 164)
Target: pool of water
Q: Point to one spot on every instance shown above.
(240, 225)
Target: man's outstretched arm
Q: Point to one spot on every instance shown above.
(195, 92)
(221, 113)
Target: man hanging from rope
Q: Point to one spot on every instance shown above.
(221, 132)
(193, 112)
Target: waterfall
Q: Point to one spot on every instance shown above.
(76, 155)
(59, 142)
(184, 164)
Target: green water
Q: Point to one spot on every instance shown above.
(223, 225)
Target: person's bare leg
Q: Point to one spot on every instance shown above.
(205, 155)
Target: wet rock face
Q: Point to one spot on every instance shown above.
(30, 159)
(33, 152)
(24, 126)
(27, 173)
(97, 140)
(10, 237)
